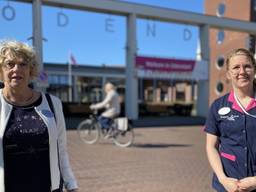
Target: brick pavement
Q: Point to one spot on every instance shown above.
(170, 159)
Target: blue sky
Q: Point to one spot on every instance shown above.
(86, 36)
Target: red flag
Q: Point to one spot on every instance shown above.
(72, 59)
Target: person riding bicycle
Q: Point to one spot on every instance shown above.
(112, 105)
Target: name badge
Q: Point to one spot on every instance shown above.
(224, 111)
(47, 113)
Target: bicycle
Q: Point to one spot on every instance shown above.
(90, 131)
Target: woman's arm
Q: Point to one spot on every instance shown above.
(247, 184)
(65, 168)
(212, 144)
(104, 103)
(73, 190)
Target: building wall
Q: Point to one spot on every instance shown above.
(236, 9)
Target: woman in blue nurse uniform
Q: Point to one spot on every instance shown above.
(231, 128)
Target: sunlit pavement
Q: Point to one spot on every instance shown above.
(170, 159)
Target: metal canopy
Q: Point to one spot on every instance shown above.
(152, 12)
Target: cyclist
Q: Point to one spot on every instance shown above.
(110, 103)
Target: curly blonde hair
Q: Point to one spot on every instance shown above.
(18, 50)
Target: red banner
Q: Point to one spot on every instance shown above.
(165, 65)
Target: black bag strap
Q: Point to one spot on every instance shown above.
(49, 100)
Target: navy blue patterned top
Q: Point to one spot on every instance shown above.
(26, 151)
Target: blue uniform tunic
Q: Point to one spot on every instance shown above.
(237, 137)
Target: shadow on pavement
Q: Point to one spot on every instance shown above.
(159, 145)
(72, 122)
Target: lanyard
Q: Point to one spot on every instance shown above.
(243, 109)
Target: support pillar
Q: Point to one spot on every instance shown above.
(37, 36)
(131, 83)
(202, 105)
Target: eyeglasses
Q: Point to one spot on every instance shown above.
(247, 68)
(11, 65)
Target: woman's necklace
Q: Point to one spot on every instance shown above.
(27, 101)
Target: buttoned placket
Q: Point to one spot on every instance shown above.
(245, 142)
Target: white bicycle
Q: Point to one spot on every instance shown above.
(90, 131)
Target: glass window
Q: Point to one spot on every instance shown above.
(220, 37)
(219, 87)
(89, 89)
(220, 62)
(58, 79)
(63, 80)
(221, 10)
(53, 79)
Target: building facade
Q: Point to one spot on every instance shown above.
(155, 95)
(221, 42)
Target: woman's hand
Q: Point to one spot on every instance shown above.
(230, 184)
(247, 184)
(72, 190)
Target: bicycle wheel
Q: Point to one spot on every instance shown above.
(88, 131)
(124, 138)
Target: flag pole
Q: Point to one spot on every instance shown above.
(69, 78)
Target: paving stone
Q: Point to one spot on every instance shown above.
(169, 159)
